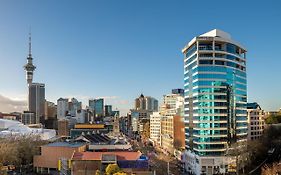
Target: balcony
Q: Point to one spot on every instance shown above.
(205, 47)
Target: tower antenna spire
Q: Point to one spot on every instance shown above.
(29, 42)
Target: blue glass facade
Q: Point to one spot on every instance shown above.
(215, 87)
(98, 106)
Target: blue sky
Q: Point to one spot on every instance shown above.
(119, 49)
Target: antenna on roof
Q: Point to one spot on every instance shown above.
(29, 42)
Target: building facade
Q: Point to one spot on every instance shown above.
(172, 104)
(172, 133)
(108, 110)
(28, 118)
(215, 97)
(146, 103)
(155, 127)
(50, 110)
(62, 108)
(36, 100)
(63, 128)
(256, 121)
(74, 105)
(97, 105)
(178, 91)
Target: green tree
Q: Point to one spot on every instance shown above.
(273, 119)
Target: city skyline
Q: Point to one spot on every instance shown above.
(119, 56)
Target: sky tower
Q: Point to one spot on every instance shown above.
(29, 67)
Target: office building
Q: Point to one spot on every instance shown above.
(74, 105)
(28, 118)
(115, 113)
(172, 133)
(178, 91)
(155, 127)
(50, 110)
(62, 108)
(146, 103)
(108, 110)
(80, 116)
(256, 121)
(36, 100)
(215, 99)
(97, 105)
(172, 105)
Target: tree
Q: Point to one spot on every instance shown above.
(111, 169)
(270, 170)
(19, 150)
(8, 152)
(273, 119)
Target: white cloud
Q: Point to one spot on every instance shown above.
(17, 104)
(109, 97)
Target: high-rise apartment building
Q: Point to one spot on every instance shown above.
(256, 121)
(36, 100)
(98, 106)
(215, 98)
(146, 103)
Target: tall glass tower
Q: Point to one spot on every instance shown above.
(215, 89)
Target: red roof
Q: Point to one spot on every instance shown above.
(121, 155)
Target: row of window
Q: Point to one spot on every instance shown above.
(224, 63)
(257, 128)
(214, 111)
(217, 69)
(228, 47)
(209, 146)
(215, 97)
(217, 125)
(210, 139)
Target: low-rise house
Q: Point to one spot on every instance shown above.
(53, 153)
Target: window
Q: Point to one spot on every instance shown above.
(218, 62)
(206, 55)
(205, 61)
